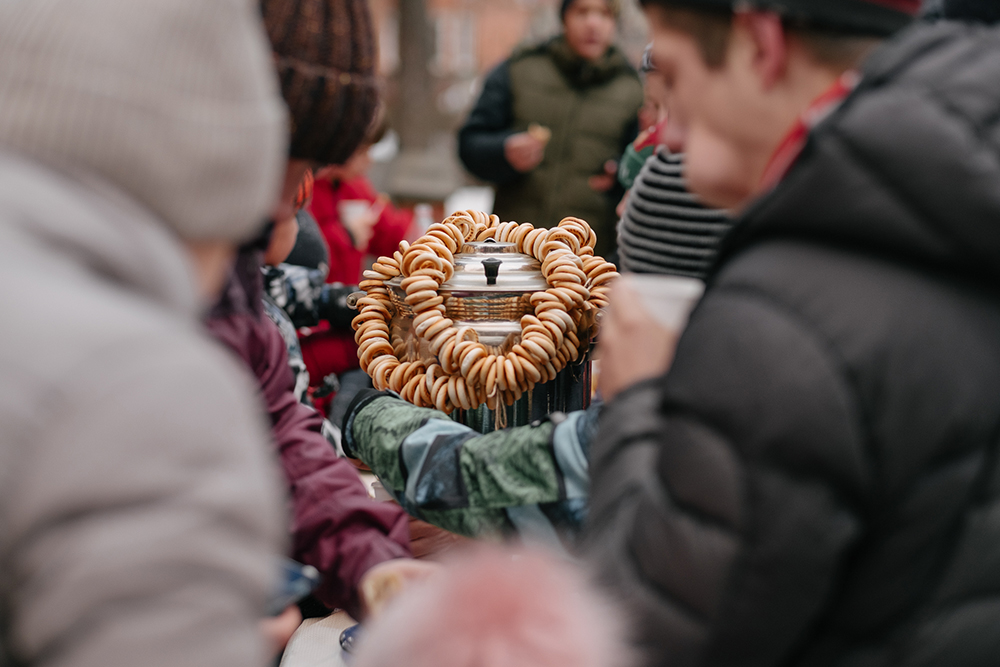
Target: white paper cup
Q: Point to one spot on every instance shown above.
(352, 210)
(668, 299)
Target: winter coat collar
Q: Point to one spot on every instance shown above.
(907, 167)
(584, 73)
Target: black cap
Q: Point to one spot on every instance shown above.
(974, 11)
(856, 17)
(564, 6)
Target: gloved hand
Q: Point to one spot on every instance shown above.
(332, 306)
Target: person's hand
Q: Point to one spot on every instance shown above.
(633, 346)
(386, 580)
(278, 630)
(524, 151)
(604, 182)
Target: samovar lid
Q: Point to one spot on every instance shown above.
(492, 267)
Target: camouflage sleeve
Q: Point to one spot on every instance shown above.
(531, 480)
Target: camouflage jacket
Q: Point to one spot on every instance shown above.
(531, 481)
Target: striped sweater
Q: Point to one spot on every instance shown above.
(665, 229)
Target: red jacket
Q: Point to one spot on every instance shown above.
(325, 351)
(336, 527)
(346, 260)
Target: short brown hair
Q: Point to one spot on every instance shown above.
(711, 29)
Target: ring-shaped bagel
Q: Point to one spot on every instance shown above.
(466, 373)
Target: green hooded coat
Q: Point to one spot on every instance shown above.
(590, 107)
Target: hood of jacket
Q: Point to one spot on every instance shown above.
(87, 228)
(908, 167)
(174, 102)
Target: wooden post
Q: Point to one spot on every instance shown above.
(416, 94)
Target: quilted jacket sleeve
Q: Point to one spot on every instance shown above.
(719, 505)
(336, 527)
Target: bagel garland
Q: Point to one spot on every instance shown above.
(464, 373)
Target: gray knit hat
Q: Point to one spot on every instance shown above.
(174, 102)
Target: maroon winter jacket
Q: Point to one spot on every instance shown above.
(336, 527)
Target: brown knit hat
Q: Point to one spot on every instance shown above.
(325, 54)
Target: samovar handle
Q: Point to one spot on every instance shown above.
(352, 299)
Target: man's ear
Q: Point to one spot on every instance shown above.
(768, 41)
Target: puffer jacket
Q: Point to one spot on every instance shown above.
(815, 481)
(336, 527)
(136, 526)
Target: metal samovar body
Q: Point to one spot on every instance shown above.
(490, 291)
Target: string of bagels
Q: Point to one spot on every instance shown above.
(464, 373)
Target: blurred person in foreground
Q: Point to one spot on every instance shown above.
(497, 607)
(139, 144)
(814, 479)
(335, 526)
(552, 121)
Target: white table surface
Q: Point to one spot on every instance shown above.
(317, 642)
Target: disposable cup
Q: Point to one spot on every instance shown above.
(667, 299)
(352, 210)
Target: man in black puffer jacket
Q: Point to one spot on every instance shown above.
(815, 480)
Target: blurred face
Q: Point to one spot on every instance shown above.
(654, 100)
(662, 105)
(589, 26)
(728, 119)
(294, 172)
(283, 238)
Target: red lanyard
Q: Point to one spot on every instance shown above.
(788, 150)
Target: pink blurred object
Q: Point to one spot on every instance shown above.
(498, 607)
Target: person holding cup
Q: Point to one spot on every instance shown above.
(808, 482)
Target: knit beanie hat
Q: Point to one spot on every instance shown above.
(564, 7)
(854, 17)
(173, 102)
(325, 52)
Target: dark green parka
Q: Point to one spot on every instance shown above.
(590, 107)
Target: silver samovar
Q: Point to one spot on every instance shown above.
(490, 292)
